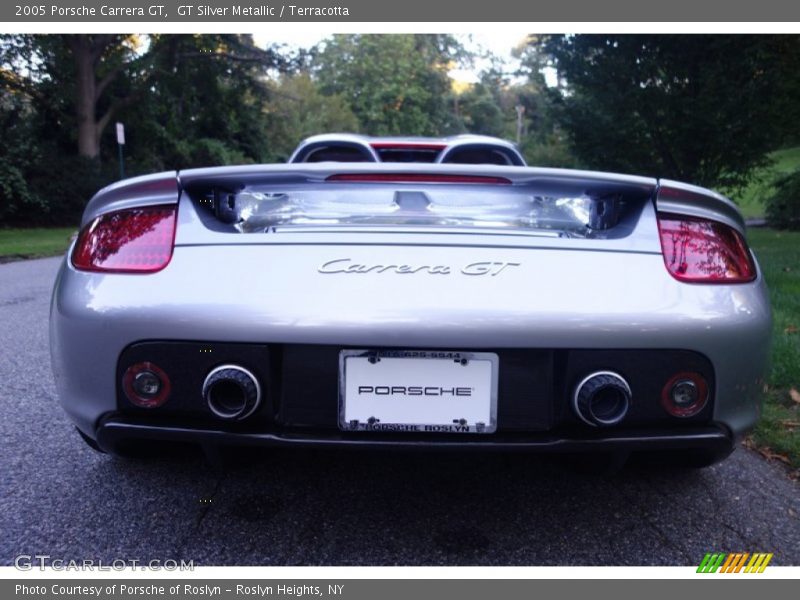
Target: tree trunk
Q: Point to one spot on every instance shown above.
(86, 93)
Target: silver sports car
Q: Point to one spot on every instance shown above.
(388, 292)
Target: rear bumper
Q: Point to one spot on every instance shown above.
(115, 430)
(558, 300)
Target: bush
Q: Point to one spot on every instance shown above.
(783, 206)
(62, 185)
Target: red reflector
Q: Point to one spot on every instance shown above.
(136, 240)
(151, 393)
(703, 251)
(417, 178)
(685, 394)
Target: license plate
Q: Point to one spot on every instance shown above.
(418, 391)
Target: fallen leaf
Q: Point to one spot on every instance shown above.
(791, 329)
(794, 395)
(770, 455)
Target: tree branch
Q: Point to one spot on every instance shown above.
(98, 45)
(107, 79)
(227, 56)
(116, 105)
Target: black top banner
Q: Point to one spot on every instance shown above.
(443, 11)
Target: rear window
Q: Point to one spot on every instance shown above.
(408, 155)
(337, 153)
(482, 155)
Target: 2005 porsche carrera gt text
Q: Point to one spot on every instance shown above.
(438, 293)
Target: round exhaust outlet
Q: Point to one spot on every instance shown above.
(602, 399)
(231, 392)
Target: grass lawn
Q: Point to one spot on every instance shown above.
(750, 199)
(32, 243)
(779, 430)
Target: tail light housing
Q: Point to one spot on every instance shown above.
(704, 251)
(135, 240)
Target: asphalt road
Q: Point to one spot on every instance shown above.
(59, 497)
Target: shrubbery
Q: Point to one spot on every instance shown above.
(51, 191)
(783, 206)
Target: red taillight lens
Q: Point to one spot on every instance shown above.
(704, 251)
(136, 240)
(417, 178)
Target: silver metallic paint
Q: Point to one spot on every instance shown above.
(566, 293)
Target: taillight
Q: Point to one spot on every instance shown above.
(704, 251)
(135, 240)
(416, 178)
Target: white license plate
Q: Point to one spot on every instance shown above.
(418, 391)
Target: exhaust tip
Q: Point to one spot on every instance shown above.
(231, 392)
(602, 399)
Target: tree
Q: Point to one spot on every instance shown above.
(186, 101)
(96, 76)
(97, 60)
(479, 112)
(204, 102)
(297, 109)
(701, 108)
(394, 84)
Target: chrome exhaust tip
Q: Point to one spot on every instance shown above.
(231, 392)
(602, 399)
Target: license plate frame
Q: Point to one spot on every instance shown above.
(447, 398)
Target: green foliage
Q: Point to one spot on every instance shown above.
(204, 103)
(751, 198)
(185, 100)
(700, 108)
(778, 254)
(394, 84)
(549, 150)
(39, 182)
(298, 109)
(478, 111)
(783, 206)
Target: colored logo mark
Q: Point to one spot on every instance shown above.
(737, 562)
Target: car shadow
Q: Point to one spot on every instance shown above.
(356, 507)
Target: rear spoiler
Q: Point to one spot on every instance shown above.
(148, 190)
(550, 180)
(165, 187)
(681, 198)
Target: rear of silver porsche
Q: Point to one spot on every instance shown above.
(412, 306)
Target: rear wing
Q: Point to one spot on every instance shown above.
(227, 190)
